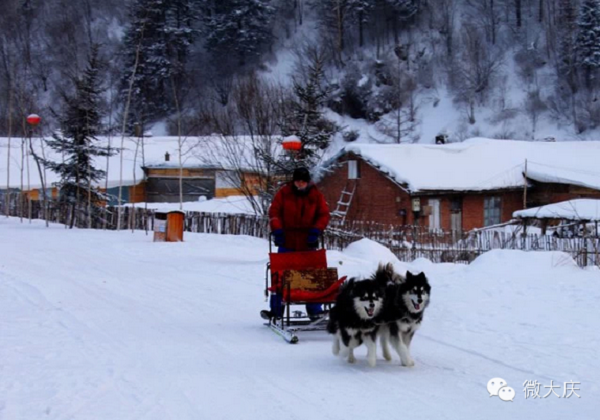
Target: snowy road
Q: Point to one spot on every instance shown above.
(106, 325)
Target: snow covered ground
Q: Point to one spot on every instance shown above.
(109, 325)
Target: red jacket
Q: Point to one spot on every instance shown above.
(297, 213)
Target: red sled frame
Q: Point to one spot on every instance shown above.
(300, 278)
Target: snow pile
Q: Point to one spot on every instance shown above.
(580, 209)
(109, 325)
(369, 254)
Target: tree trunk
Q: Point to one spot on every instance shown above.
(8, 155)
(340, 30)
(22, 194)
(361, 40)
(493, 22)
(125, 115)
(179, 144)
(72, 221)
(518, 12)
(37, 162)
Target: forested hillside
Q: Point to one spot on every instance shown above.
(406, 69)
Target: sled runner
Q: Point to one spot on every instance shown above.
(300, 278)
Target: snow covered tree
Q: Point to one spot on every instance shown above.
(306, 120)
(587, 43)
(156, 44)
(566, 51)
(402, 11)
(77, 143)
(239, 29)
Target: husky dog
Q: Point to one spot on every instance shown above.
(402, 314)
(352, 318)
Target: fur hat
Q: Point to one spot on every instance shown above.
(301, 174)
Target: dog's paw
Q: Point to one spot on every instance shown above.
(387, 356)
(335, 348)
(372, 362)
(351, 359)
(408, 363)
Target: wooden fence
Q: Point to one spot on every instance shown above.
(406, 242)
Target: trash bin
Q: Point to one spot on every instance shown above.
(168, 226)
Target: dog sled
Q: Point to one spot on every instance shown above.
(300, 278)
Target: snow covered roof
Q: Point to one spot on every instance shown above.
(481, 164)
(197, 152)
(580, 209)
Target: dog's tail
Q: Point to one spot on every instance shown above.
(386, 274)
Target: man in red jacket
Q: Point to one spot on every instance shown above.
(298, 215)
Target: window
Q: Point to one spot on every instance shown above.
(353, 169)
(434, 217)
(456, 205)
(491, 211)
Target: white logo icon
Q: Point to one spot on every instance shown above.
(494, 385)
(506, 393)
(499, 387)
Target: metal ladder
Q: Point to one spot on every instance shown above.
(343, 204)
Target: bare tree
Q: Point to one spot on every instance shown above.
(446, 16)
(247, 147)
(402, 121)
(484, 13)
(124, 128)
(534, 106)
(476, 68)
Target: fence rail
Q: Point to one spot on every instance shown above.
(406, 242)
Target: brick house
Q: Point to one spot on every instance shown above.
(456, 187)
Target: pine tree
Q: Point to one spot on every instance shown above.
(307, 121)
(80, 124)
(158, 40)
(587, 43)
(566, 53)
(241, 27)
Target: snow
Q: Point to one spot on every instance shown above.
(237, 204)
(363, 80)
(481, 164)
(109, 325)
(579, 209)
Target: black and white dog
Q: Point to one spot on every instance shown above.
(403, 309)
(352, 319)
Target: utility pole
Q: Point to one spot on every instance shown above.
(525, 189)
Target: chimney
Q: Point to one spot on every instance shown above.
(167, 157)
